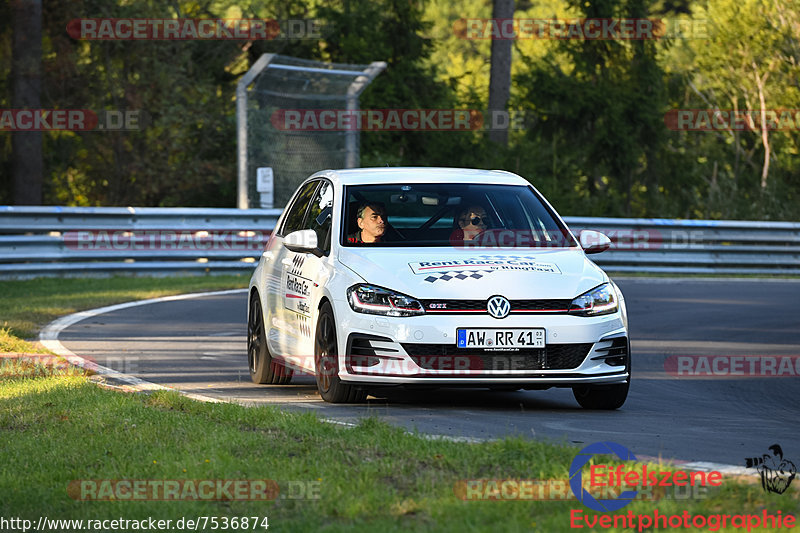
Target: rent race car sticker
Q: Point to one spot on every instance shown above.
(296, 288)
(482, 265)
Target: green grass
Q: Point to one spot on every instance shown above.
(12, 344)
(26, 306)
(371, 478)
(20, 358)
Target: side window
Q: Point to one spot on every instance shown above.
(297, 212)
(320, 215)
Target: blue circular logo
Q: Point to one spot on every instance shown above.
(576, 478)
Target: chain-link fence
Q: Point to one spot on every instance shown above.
(277, 85)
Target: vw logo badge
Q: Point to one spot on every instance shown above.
(498, 306)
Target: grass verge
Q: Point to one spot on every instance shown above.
(374, 477)
(10, 343)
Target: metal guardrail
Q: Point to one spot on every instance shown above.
(658, 245)
(74, 241)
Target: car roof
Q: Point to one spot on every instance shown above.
(388, 175)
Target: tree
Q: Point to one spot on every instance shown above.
(500, 79)
(26, 73)
(749, 62)
(600, 111)
(395, 31)
(184, 152)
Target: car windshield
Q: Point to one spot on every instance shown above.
(450, 214)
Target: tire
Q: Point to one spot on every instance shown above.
(263, 370)
(605, 397)
(326, 362)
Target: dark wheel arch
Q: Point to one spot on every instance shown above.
(263, 368)
(326, 361)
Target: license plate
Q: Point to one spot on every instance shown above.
(500, 338)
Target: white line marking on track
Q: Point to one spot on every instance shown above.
(339, 422)
(451, 438)
(49, 339)
(305, 403)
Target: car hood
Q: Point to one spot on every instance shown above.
(432, 273)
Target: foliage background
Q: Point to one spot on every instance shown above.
(595, 142)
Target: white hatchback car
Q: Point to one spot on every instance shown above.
(434, 277)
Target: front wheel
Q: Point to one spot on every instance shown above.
(326, 362)
(606, 397)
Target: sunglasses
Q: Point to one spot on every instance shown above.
(478, 220)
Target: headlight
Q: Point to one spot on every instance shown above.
(599, 301)
(379, 301)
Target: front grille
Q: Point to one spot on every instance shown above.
(563, 356)
(448, 357)
(534, 306)
(540, 305)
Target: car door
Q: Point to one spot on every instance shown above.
(305, 273)
(280, 336)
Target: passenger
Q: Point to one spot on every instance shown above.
(371, 220)
(471, 223)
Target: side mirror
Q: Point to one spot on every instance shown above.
(593, 242)
(303, 241)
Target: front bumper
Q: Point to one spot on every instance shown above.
(421, 350)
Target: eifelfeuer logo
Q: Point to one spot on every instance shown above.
(576, 478)
(776, 472)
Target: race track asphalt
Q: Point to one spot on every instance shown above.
(198, 346)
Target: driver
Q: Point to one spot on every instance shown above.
(472, 221)
(371, 223)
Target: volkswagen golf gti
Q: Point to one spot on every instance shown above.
(434, 277)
